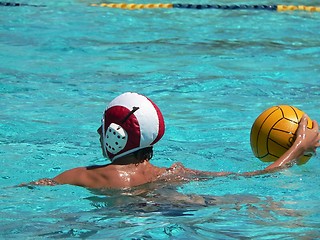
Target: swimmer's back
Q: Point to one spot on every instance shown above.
(111, 176)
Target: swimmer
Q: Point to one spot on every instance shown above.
(130, 126)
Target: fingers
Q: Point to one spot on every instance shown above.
(304, 119)
(303, 124)
(315, 125)
(315, 129)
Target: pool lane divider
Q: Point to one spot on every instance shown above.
(13, 4)
(279, 8)
(133, 6)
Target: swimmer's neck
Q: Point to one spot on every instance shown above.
(130, 160)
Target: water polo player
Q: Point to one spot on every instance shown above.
(130, 126)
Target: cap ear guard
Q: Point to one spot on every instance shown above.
(115, 138)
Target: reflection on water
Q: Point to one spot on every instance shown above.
(163, 198)
(167, 212)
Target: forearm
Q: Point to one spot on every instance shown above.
(212, 174)
(288, 159)
(199, 173)
(40, 182)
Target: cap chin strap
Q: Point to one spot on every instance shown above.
(103, 140)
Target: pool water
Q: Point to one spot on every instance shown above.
(212, 72)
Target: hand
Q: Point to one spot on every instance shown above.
(307, 139)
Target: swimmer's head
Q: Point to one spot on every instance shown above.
(130, 122)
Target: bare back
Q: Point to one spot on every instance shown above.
(111, 176)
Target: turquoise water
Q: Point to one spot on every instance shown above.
(211, 73)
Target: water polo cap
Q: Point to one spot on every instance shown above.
(130, 122)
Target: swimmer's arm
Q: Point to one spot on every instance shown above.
(72, 176)
(40, 182)
(307, 141)
(210, 174)
(178, 168)
(75, 176)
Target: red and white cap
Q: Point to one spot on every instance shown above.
(130, 122)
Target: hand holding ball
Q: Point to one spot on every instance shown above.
(273, 132)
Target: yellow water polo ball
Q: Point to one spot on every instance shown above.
(273, 132)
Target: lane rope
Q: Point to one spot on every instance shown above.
(280, 8)
(133, 6)
(12, 4)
